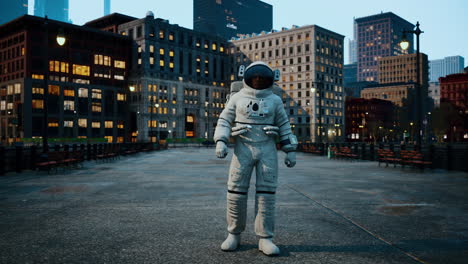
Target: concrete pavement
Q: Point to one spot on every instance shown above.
(169, 207)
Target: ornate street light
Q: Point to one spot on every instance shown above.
(404, 44)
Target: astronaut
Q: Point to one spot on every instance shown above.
(254, 116)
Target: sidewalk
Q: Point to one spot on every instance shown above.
(169, 207)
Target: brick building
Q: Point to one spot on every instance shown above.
(310, 59)
(86, 80)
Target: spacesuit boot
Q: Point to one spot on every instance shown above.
(265, 222)
(236, 217)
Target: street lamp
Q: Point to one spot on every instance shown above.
(319, 90)
(404, 44)
(158, 125)
(61, 41)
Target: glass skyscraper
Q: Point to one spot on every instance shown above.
(53, 9)
(229, 18)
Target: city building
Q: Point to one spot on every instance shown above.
(402, 68)
(178, 80)
(354, 89)
(454, 89)
(396, 93)
(227, 19)
(53, 9)
(445, 66)
(107, 6)
(378, 36)
(310, 59)
(369, 120)
(434, 92)
(353, 45)
(12, 9)
(86, 80)
(349, 73)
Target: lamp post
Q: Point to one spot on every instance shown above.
(158, 125)
(404, 44)
(319, 90)
(61, 41)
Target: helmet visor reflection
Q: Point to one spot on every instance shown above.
(259, 77)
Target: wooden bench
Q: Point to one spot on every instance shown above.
(51, 160)
(345, 152)
(413, 158)
(311, 149)
(387, 156)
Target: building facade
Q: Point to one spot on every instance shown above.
(402, 68)
(53, 9)
(350, 73)
(178, 80)
(12, 9)
(434, 92)
(369, 120)
(310, 60)
(445, 66)
(107, 6)
(378, 36)
(229, 18)
(353, 45)
(86, 81)
(454, 89)
(393, 92)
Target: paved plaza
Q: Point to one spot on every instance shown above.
(169, 207)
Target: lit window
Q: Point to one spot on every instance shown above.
(161, 51)
(53, 124)
(161, 63)
(68, 105)
(213, 46)
(96, 124)
(69, 93)
(171, 36)
(83, 122)
(83, 92)
(171, 53)
(120, 97)
(221, 48)
(119, 64)
(80, 69)
(96, 94)
(161, 34)
(17, 88)
(36, 90)
(108, 124)
(38, 76)
(36, 104)
(96, 107)
(151, 60)
(119, 77)
(54, 90)
(67, 123)
(120, 125)
(171, 65)
(151, 48)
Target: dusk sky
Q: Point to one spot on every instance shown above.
(444, 23)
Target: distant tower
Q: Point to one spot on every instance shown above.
(107, 4)
(53, 9)
(378, 36)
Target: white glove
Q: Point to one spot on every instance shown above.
(239, 130)
(221, 150)
(271, 131)
(290, 159)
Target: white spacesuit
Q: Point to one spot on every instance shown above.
(254, 115)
